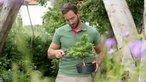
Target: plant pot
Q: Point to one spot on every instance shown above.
(88, 68)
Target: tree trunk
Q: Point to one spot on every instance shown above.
(8, 13)
(142, 76)
(1, 4)
(122, 21)
(144, 17)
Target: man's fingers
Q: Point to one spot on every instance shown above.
(97, 66)
(59, 53)
(62, 52)
(93, 61)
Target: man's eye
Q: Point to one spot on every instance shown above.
(67, 20)
(72, 18)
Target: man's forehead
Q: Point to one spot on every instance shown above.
(69, 15)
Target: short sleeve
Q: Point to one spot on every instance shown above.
(97, 38)
(56, 37)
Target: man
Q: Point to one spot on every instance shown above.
(66, 37)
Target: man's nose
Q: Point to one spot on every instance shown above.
(70, 22)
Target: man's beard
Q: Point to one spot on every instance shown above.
(75, 25)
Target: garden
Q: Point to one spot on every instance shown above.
(23, 57)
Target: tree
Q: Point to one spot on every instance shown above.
(122, 21)
(144, 17)
(143, 59)
(8, 13)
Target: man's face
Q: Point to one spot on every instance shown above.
(72, 19)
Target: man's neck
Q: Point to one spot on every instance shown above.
(79, 27)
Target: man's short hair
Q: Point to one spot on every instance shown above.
(68, 6)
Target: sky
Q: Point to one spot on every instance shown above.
(36, 13)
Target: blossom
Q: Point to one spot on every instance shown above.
(143, 48)
(136, 48)
(110, 42)
(111, 51)
(126, 34)
(1, 2)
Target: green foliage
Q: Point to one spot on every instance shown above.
(27, 53)
(110, 70)
(40, 59)
(21, 47)
(53, 18)
(9, 54)
(42, 2)
(83, 49)
(137, 8)
(93, 11)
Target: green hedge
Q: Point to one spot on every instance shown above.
(20, 47)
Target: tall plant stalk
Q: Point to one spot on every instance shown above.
(30, 23)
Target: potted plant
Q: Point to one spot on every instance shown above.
(83, 50)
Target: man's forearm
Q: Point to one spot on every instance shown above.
(99, 58)
(51, 54)
(55, 53)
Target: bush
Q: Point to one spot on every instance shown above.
(28, 53)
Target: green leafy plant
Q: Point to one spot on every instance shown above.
(83, 49)
(28, 54)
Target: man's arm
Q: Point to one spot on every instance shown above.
(54, 51)
(99, 59)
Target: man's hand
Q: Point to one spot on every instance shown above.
(97, 66)
(59, 53)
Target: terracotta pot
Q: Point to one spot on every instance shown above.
(88, 68)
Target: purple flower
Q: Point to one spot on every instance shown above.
(126, 34)
(111, 51)
(110, 42)
(143, 48)
(136, 48)
(143, 53)
(1, 2)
